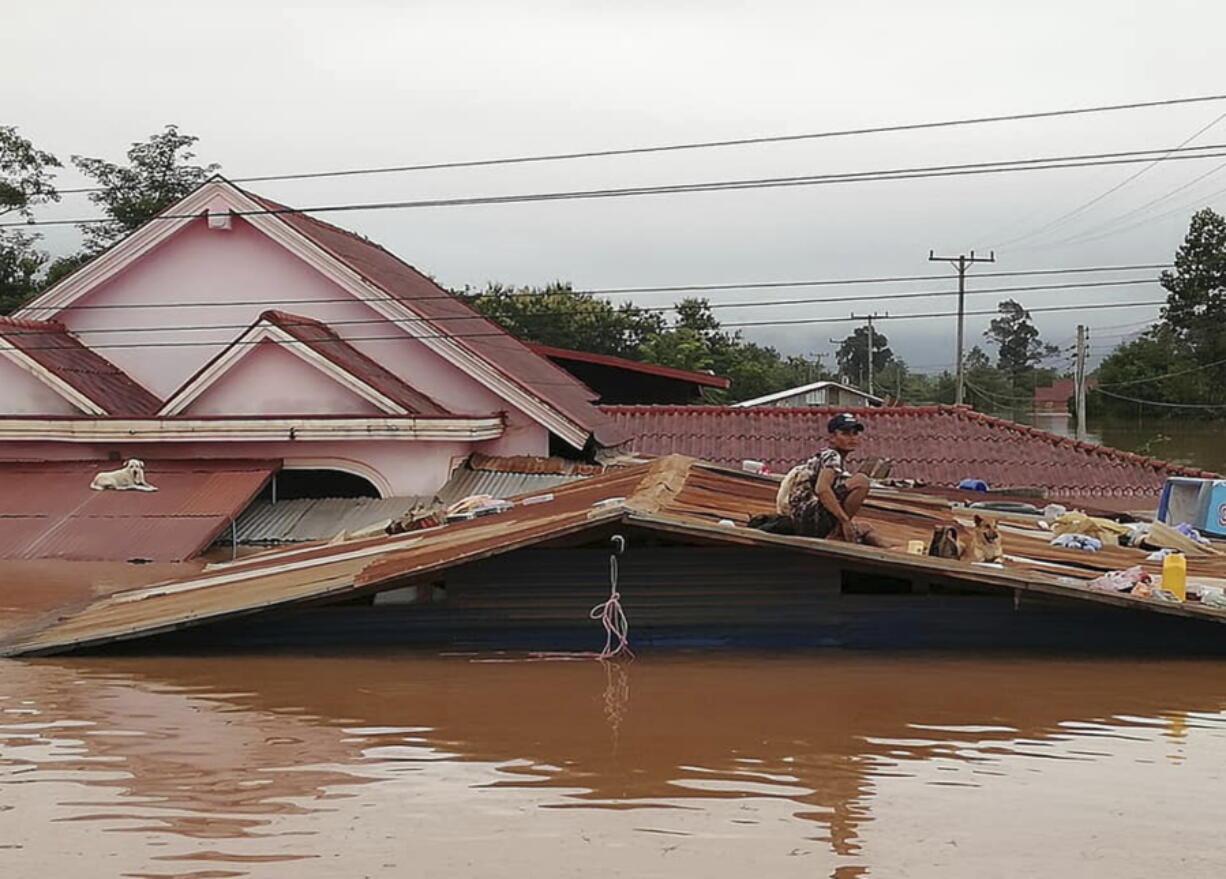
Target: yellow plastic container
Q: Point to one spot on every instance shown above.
(1175, 575)
(916, 547)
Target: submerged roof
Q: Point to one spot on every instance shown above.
(940, 445)
(456, 320)
(49, 346)
(673, 498)
(48, 510)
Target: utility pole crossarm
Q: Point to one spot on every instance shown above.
(960, 264)
(872, 341)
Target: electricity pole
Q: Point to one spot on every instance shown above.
(871, 341)
(1079, 376)
(960, 264)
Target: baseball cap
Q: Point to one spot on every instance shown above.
(844, 422)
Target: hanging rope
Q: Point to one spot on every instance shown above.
(610, 613)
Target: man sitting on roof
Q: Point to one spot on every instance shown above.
(823, 497)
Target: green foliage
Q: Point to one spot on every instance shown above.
(852, 355)
(1196, 297)
(1018, 347)
(1132, 368)
(159, 172)
(566, 318)
(26, 180)
(20, 264)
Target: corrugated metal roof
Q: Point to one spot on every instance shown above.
(673, 496)
(465, 482)
(940, 445)
(51, 346)
(305, 519)
(49, 510)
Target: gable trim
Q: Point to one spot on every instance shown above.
(396, 311)
(246, 344)
(49, 378)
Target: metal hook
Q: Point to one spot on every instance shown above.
(619, 543)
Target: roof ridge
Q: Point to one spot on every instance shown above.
(28, 324)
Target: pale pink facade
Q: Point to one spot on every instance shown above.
(166, 308)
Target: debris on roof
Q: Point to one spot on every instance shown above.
(674, 498)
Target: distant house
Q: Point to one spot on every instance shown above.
(231, 342)
(1056, 398)
(824, 393)
(618, 380)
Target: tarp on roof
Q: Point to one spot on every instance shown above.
(48, 510)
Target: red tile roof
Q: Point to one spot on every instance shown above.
(698, 378)
(451, 317)
(50, 511)
(940, 445)
(49, 344)
(323, 340)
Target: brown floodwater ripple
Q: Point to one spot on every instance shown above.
(713, 765)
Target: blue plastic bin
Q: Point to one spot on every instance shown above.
(1199, 502)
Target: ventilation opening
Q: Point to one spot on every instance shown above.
(291, 485)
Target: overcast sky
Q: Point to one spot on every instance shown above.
(280, 88)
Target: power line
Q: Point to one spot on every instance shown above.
(1160, 403)
(752, 303)
(682, 288)
(713, 144)
(503, 334)
(1141, 381)
(911, 173)
(1068, 215)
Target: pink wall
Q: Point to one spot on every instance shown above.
(241, 273)
(271, 380)
(23, 394)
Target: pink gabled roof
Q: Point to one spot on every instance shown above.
(51, 346)
(450, 317)
(698, 378)
(322, 339)
(940, 445)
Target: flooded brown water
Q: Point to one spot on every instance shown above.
(713, 765)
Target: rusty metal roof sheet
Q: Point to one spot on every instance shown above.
(52, 347)
(673, 496)
(49, 511)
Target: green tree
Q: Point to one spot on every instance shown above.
(26, 180)
(1018, 347)
(563, 317)
(680, 348)
(852, 355)
(1134, 369)
(1196, 299)
(159, 172)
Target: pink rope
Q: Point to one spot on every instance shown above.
(610, 613)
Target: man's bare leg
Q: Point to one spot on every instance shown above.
(857, 491)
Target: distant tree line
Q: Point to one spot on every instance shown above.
(1178, 365)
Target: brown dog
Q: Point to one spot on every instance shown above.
(951, 541)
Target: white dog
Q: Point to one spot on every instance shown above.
(130, 478)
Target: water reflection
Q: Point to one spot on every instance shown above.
(823, 764)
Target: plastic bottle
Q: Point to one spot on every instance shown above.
(1175, 575)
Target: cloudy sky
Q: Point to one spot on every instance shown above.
(309, 86)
